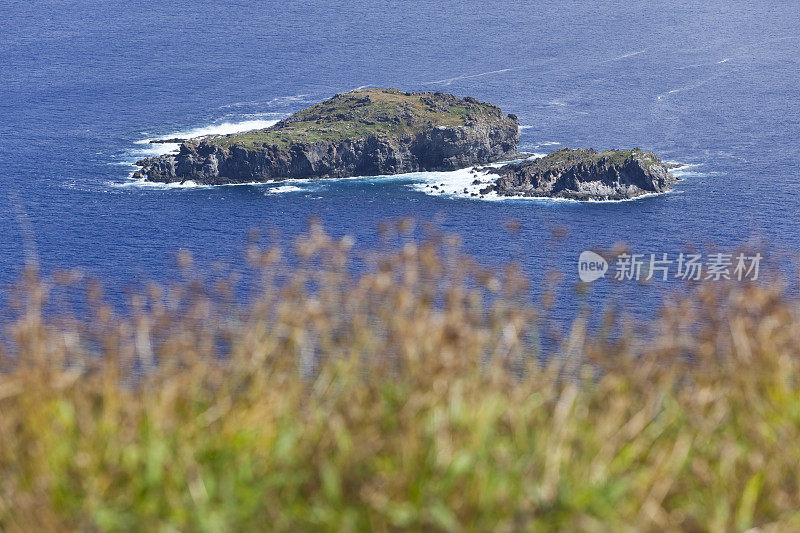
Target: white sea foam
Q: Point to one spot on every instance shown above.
(222, 128)
(687, 87)
(679, 173)
(449, 81)
(284, 189)
(141, 183)
(193, 185)
(687, 170)
(710, 63)
(150, 150)
(272, 189)
(625, 56)
(463, 183)
(254, 121)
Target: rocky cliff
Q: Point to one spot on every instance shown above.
(361, 133)
(584, 175)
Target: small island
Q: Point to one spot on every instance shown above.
(584, 174)
(368, 132)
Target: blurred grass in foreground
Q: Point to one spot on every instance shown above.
(407, 397)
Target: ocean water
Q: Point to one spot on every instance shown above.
(86, 84)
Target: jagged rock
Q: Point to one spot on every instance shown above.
(362, 133)
(584, 175)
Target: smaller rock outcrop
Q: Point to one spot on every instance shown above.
(584, 174)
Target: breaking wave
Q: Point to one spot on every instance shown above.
(144, 148)
(221, 128)
(141, 183)
(283, 189)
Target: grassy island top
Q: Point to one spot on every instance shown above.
(569, 157)
(364, 113)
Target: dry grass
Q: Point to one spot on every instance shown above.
(407, 397)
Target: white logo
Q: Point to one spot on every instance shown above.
(689, 266)
(591, 266)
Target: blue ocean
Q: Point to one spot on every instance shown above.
(714, 86)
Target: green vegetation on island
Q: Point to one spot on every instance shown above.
(364, 113)
(613, 156)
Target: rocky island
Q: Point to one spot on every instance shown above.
(361, 133)
(583, 174)
(373, 132)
